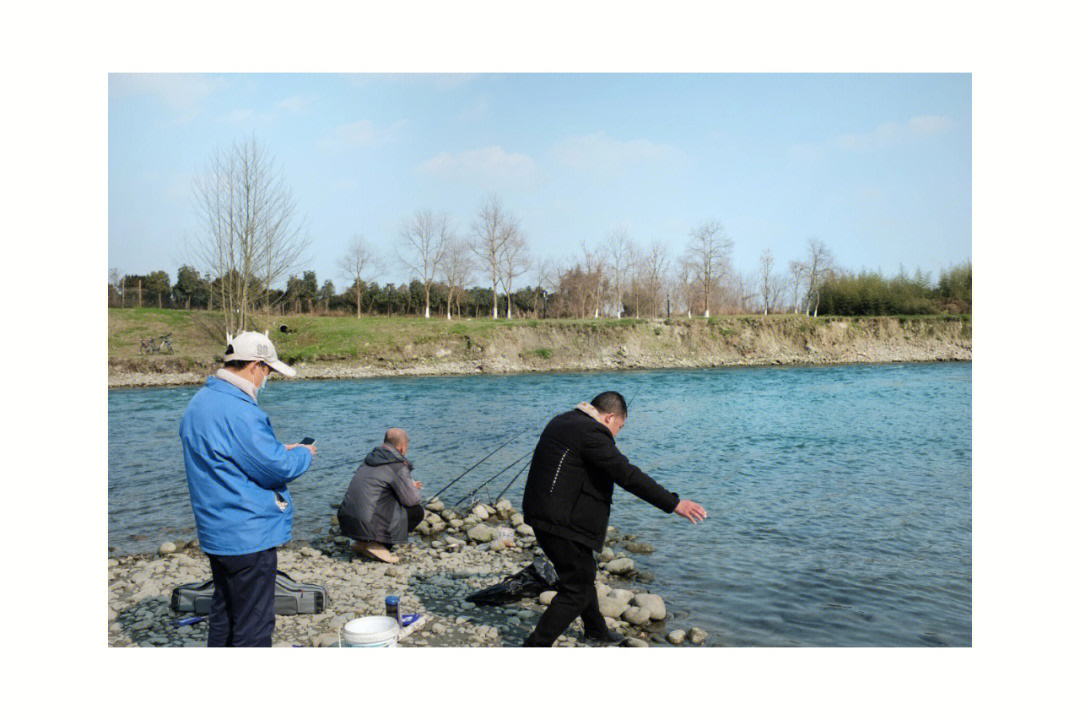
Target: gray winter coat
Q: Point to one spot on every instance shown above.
(374, 505)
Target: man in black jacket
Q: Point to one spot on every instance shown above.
(568, 500)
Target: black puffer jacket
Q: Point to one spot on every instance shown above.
(574, 469)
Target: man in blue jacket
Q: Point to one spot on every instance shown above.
(237, 472)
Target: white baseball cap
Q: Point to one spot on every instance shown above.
(249, 346)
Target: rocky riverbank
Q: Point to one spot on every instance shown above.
(454, 554)
(638, 345)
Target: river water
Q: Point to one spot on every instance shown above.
(839, 497)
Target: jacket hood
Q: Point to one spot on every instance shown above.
(384, 455)
(592, 412)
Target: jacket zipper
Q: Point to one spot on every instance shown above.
(557, 471)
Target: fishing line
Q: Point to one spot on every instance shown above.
(449, 484)
(483, 484)
(526, 467)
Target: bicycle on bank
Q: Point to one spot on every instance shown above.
(162, 344)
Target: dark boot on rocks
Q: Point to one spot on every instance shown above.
(609, 637)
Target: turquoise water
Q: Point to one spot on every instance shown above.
(839, 498)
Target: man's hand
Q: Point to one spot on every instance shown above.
(691, 511)
(296, 445)
(418, 484)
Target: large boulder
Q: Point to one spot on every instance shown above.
(653, 603)
(167, 548)
(517, 519)
(546, 597)
(636, 615)
(612, 608)
(620, 566)
(697, 636)
(481, 533)
(526, 530)
(481, 512)
(621, 594)
(602, 590)
(436, 506)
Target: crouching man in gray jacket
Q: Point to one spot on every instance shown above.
(382, 505)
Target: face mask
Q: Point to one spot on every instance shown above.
(262, 385)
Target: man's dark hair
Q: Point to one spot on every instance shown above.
(610, 402)
(237, 364)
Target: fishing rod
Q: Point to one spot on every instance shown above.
(526, 467)
(477, 489)
(449, 484)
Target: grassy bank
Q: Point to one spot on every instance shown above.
(348, 346)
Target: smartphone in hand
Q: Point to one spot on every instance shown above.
(308, 441)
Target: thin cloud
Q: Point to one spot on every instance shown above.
(887, 134)
(365, 132)
(181, 92)
(485, 166)
(475, 112)
(295, 103)
(442, 82)
(606, 155)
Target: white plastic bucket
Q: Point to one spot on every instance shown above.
(370, 631)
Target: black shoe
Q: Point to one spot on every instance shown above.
(609, 637)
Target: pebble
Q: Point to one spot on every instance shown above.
(641, 548)
(431, 579)
(676, 637)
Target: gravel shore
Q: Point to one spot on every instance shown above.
(453, 555)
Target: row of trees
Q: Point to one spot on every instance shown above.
(251, 249)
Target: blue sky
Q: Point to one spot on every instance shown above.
(877, 166)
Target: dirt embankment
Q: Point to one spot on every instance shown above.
(645, 344)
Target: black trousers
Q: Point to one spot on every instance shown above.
(415, 514)
(576, 591)
(242, 610)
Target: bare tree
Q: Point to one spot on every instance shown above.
(620, 250)
(710, 252)
(819, 265)
(457, 270)
(595, 261)
(359, 265)
(798, 272)
(547, 275)
(655, 265)
(249, 236)
(426, 237)
(684, 282)
(116, 280)
(489, 236)
(513, 262)
(767, 279)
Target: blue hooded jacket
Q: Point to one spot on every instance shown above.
(236, 472)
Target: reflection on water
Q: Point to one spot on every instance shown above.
(839, 498)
